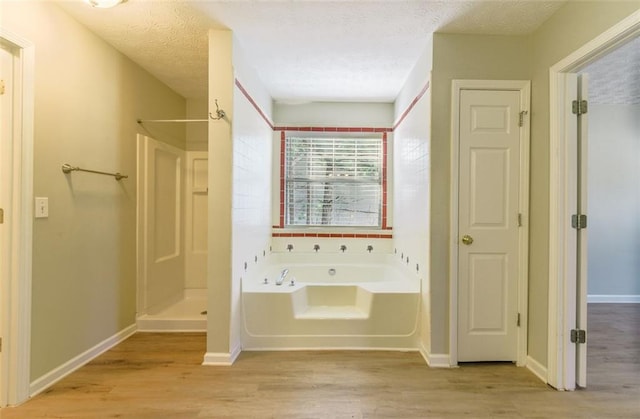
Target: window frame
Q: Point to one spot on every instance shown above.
(347, 133)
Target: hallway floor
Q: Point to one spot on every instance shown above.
(159, 376)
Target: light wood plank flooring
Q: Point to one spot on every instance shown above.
(160, 376)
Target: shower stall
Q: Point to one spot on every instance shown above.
(171, 237)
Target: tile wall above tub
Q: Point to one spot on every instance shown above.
(363, 243)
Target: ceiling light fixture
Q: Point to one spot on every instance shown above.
(104, 4)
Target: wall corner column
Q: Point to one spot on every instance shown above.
(219, 260)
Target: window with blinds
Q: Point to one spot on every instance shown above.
(333, 181)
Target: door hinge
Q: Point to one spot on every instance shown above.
(579, 107)
(578, 336)
(2, 87)
(579, 221)
(521, 118)
(1, 215)
(0, 344)
(519, 220)
(518, 320)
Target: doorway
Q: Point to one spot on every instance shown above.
(612, 176)
(567, 275)
(489, 234)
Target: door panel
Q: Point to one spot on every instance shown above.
(489, 188)
(487, 284)
(487, 222)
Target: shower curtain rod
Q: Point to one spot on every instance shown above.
(220, 114)
(140, 121)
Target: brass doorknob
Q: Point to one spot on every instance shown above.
(467, 239)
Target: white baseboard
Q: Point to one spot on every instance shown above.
(613, 299)
(435, 360)
(57, 374)
(222, 358)
(537, 369)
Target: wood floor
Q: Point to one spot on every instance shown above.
(160, 376)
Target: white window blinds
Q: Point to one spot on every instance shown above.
(333, 181)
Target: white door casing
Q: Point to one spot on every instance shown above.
(490, 205)
(6, 174)
(17, 201)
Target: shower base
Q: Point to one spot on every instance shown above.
(186, 315)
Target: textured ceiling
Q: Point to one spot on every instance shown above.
(615, 78)
(302, 50)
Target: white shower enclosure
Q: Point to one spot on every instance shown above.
(171, 237)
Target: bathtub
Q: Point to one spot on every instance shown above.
(336, 301)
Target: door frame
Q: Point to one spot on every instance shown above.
(524, 87)
(16, 328)
(561, 368)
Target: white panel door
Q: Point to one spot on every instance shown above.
(489, 179)
(161, 218)
(580, 83)
(575, 299)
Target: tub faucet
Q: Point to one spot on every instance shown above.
(316, 247)
(289, 247)
(283, 274)
(369, 248)
(343, 248)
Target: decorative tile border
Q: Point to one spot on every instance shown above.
(411, 106)
(333, 129)
(335, 235)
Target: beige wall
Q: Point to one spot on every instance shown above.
(87, 99)
(575, 24)
(198, 132)
(458, 57)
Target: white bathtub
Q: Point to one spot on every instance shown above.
(367, 301)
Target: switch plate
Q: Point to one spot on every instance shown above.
(42, 207)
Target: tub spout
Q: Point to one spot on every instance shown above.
(283, 274)
(343, 248)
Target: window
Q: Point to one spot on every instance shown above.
(333, 181)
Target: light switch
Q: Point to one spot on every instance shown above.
(42, 207)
